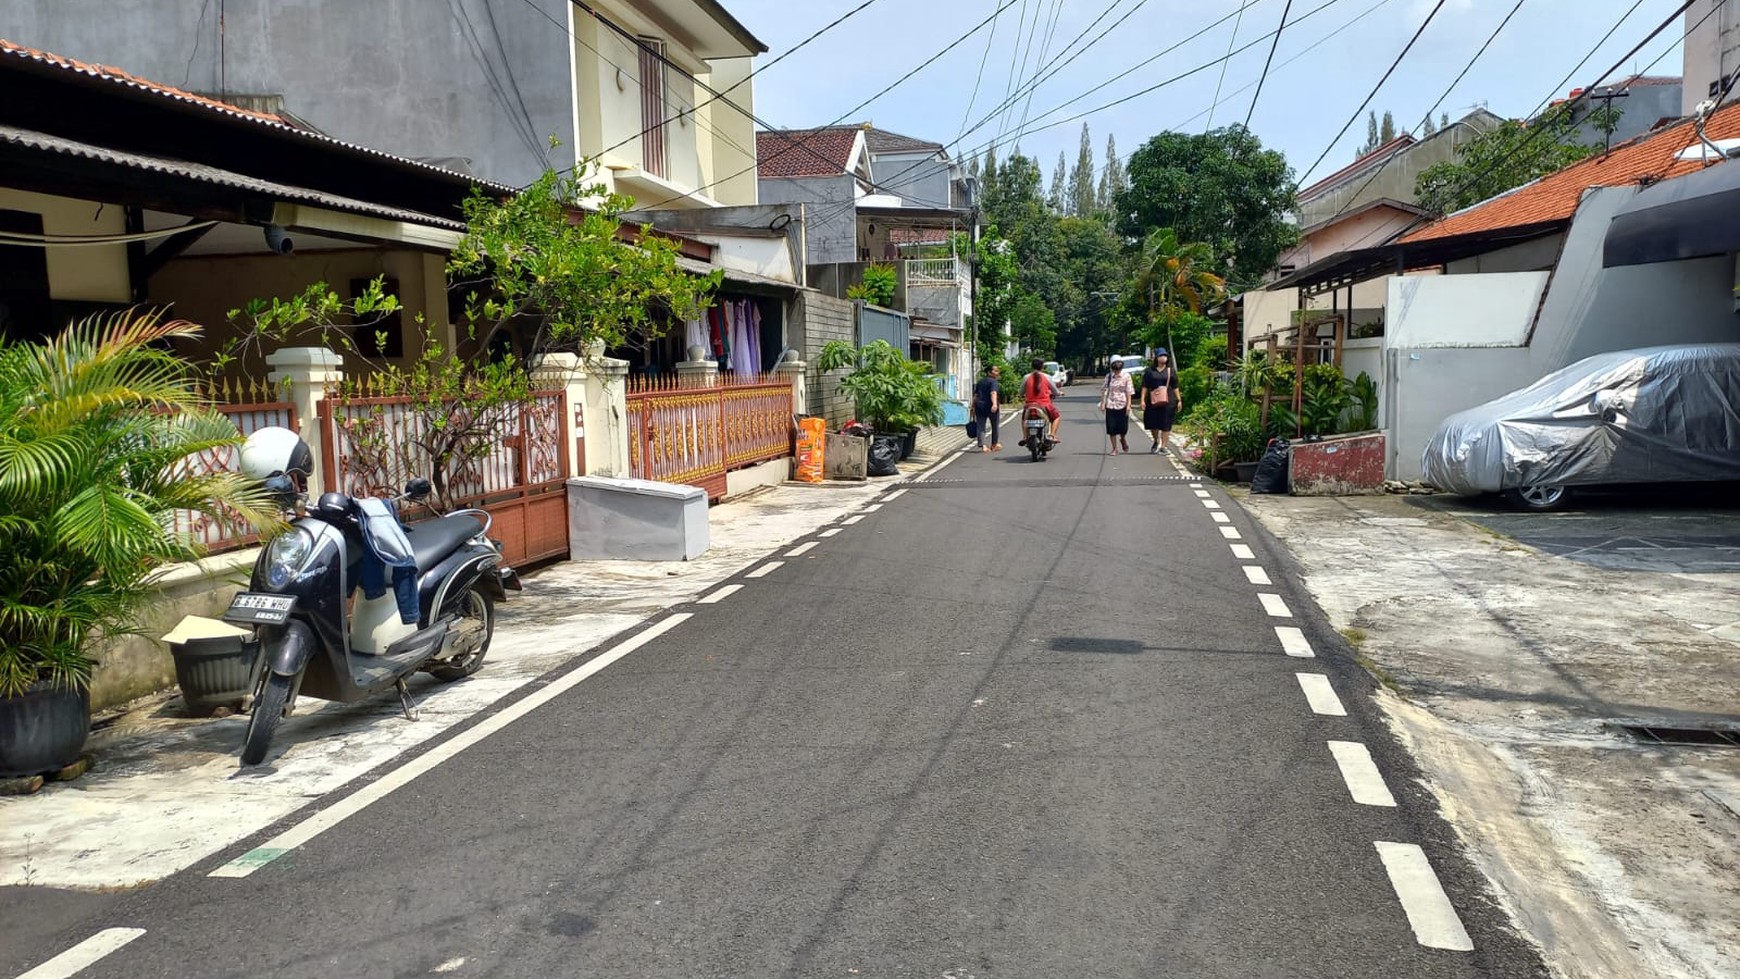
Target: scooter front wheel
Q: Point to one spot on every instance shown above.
(268, 711)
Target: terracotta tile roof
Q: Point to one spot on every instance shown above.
(1375, 156)
(883, 141)
(9, 49)
(1555, 197)
(805, 152)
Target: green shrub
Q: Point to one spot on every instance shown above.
(879, 286)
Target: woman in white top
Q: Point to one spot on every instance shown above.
(1115, 395)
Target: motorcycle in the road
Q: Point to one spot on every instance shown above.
(1038, 429)
(435, 586)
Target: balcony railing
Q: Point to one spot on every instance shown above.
(934, 271)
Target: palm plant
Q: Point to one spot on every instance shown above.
(96, 429)
(1175, 276)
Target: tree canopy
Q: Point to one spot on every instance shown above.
(1501, 159)
(1222, 188)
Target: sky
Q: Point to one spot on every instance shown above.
(1324, 66)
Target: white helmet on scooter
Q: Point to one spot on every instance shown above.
(276, 452)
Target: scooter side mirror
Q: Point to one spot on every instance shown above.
(418, 489)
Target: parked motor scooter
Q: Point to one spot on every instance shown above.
(1038, 428)
(315, 639)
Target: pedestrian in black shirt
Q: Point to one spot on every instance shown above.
(987, 404)
(1159, 399)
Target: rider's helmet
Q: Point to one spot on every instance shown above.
(276, 451)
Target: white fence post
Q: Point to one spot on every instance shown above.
(605, 411)
(307, 371)
(793, 371)
(698, 373)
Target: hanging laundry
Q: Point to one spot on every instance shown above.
(694, 335)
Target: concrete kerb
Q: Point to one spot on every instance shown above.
(167, 793)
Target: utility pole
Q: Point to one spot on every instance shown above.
(1606, 96)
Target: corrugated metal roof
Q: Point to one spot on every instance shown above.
(12, 135)
(117, 76)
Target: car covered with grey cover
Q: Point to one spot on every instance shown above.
(1650, 415)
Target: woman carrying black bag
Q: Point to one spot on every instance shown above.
(1159, 399)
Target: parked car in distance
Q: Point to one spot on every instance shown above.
(1059, 375)
(1650, 415)
(1133, 363)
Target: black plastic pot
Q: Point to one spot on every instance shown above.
(215, 672)
(908, 443)
(43, 730)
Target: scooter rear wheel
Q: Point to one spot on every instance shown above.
(482, 608)
(1036, 445)
(268, 711)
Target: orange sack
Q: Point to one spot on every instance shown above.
(812, 436)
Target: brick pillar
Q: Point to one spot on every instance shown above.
(307, 371)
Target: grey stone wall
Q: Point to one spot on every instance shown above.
(486, 80)
(816, 319)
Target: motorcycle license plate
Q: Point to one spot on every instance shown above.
(253, 608)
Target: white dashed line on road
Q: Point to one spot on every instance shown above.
(83, 955)
(1202, 494)
(1212, 505)
(872, 508)
(853, 519)
(801, 548)
(1361, 774)
(766, 569)
(720, 595)
(897, 494)
(1230, 533)
(1220, 517)
(1293, 642)
(1273, 605)
(1428, 908)
(831, 531)
(1320, 695)
(1256, 575)
(1243, 552)
(408, 772)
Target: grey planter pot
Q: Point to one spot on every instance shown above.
(43, 730)
(215, 673)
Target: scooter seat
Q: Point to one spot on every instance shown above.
(433, 540)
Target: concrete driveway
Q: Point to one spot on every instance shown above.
(1509, 644)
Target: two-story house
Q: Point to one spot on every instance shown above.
(502, 89)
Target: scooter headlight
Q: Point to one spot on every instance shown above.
(286, 555)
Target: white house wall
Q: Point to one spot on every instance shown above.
(92, 273)
(1492, 310)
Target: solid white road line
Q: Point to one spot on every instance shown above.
(84, 954)
(1273, 605)
(1230, 533)
(1220, 517)
(897, 494)
(1212, 505)
(1202, 494)
(1428, 908)
(852, 519)
(1293, 642)
(1361, 774)
(369, 794)
(720, 595)
(1243, 552)
(766, 569)
(801, 548)
(831, 531)
(1256, 574)
(1320, 695)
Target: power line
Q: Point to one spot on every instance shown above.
(1219, 82)
(977, 81)
(1275, 44)
(1452, 87)
(716, 96)
(1393, 65)
(1536, 134)
(884, 91)
(1033, 86)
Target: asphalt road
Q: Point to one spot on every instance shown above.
(1021, 720)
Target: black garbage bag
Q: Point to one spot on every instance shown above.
(884, 454)
(1271, 476)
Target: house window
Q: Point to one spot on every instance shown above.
(652, 106)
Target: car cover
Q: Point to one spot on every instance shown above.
(1657, 414)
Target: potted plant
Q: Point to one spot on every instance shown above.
(897, 396)
(95, 428)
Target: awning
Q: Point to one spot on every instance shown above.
(740, 280)
(1694, 216)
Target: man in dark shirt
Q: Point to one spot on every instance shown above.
(987, 403)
